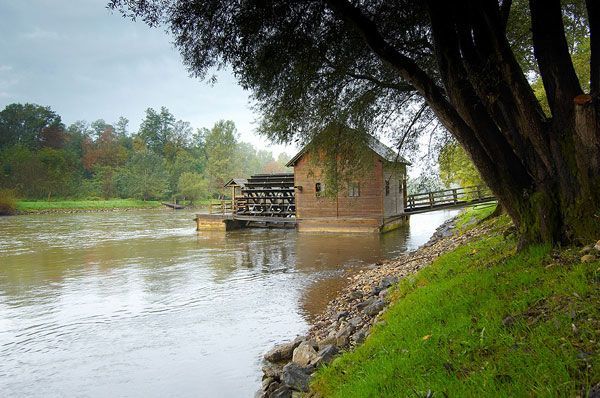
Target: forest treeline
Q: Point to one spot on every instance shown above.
(42, 158)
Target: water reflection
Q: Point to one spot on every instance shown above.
(139, 304)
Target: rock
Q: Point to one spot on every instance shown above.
(384, 293)
(597, 246)
(586, 250)
(267, 382)
(360, 336)
(329, 340)
(295, 376)
(283, 352)
(342, 314)
(356, 321)
(326, 355)
(356, 294)
(366, 303)
(271, 389)
(374, 308)
(588, 258)
(281, 392)
(342, 337)
(304, 354)
(388, 281)
(272, 370)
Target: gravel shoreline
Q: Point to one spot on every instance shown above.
(348, 318)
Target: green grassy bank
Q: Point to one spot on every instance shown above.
(482, 321)
(58, 205)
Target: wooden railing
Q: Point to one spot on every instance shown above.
(220, 207)
(448, 198)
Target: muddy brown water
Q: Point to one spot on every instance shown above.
(138, 304)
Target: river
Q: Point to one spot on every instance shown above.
(138, 304)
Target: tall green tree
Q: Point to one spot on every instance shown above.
(23, 124)
(455, 59)
(157, 129)
(220, 144)
(144, 177)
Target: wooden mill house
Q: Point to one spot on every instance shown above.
(372, 203)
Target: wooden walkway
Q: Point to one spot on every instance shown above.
(447, 199)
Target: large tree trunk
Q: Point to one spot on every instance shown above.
(545, 171)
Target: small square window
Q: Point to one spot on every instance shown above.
(387, 187)
(354, 190)
(319, 188)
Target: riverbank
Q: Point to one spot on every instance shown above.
(521, 324)
(73, 206)
(89, 206)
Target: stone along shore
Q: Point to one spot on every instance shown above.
(348, 319)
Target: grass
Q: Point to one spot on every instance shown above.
(482, 321)
(36, 206)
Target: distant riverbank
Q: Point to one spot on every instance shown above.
(87, 206)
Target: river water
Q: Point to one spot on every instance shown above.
(138, 304)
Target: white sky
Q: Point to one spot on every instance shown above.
(87, 63)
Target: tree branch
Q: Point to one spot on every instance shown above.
(505, 13)
(380, 83)
(593, 10)
(552, 54)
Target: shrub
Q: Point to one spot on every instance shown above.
(8, 202)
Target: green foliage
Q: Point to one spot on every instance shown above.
(101, 160)
(457, 168)
(425, 182)
(144, 177)
(193, 186)
(8, 202)
(444, 330)
(219, 147)
(22, 124)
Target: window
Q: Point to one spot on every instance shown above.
(319, 188)
(353, 190)
(399, 186)
(387, 187)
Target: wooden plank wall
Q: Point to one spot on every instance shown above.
(394, 202)
(368, 205)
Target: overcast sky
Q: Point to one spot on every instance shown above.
(87, 63)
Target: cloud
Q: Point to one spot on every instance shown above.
(40, 34)
(5, 68)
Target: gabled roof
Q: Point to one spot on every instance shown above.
(383, 151)
(239, 182)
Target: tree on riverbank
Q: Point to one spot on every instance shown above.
(311, 64)
(40, 159)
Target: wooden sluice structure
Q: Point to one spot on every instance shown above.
(447, 199)
(263, 200)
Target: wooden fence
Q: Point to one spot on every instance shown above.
(220, 207)
(448, 198)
